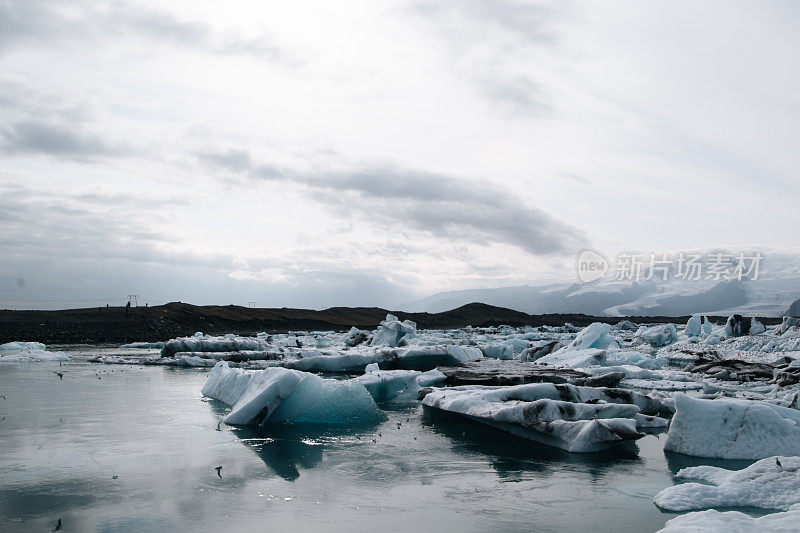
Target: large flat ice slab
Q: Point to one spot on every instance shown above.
(576, 419)
(733, 429)
(771, 483)
(206, 343)
(713, 521)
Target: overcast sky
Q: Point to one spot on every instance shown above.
(370, 153)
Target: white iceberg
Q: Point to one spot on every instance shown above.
(697, 326)
(16, 352)
(392, 332)
(576, 419)
(398, 385)
(354, 337)
(788, 325)
(595, 335)
(771, 483)
(713, 521)
(201, 343)
(144, 345)
(756, 327)
(733, 428)
(506, 349)
(308, 361)
(243, 355)
(280, 395)
(565, 358)
(539, 349)
(429, 357)
(657, 336)
(20, 346)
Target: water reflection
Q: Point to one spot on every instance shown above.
(286, 449)
(677, 461)
(27, 501)
(283, 450)
(514, 458)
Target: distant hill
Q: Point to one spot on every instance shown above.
(764, 297)
(114, 325)
(794, 309)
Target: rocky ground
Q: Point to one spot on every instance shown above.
(115, 324)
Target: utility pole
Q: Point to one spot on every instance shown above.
(251, 305)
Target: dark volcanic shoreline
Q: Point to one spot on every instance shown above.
(114, 325)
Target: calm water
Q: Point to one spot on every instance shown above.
(63, 441)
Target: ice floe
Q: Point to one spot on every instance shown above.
(144, 345)
(733, 428)
(576, 419)
(657, 336)
(280, 395)
(18, 352)
(771, 483)
(713, 521)
(205, 343)
(398, 385)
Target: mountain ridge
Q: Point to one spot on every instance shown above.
(175, 319)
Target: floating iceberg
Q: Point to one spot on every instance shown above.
(771, 483)
(576, 419)
(429, 357)
(280, 395)
(201, 343)
(595, 335)
(144, 345)
(21, 346)
(243, 355)
(193, 361)
(332, 363)
(354, 337)
(398, 385)
(756, 327)
(566, 358)
(712, 521)
(393, 333)
(733, 429)
(789, 325)
(737, 325)
(506, 349)
(28, 352)
(698, 325)
(489, 371)
(657, 336)
(540, 349)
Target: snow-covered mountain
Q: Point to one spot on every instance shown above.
(770, 295)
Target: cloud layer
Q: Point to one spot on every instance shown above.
(370, 153)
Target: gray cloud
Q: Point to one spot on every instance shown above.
(480, 36)
(233, 160)
(424, 201)
(43, 22)
(32, 136)
(89, 248)
(529, 21)
(86, 249)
